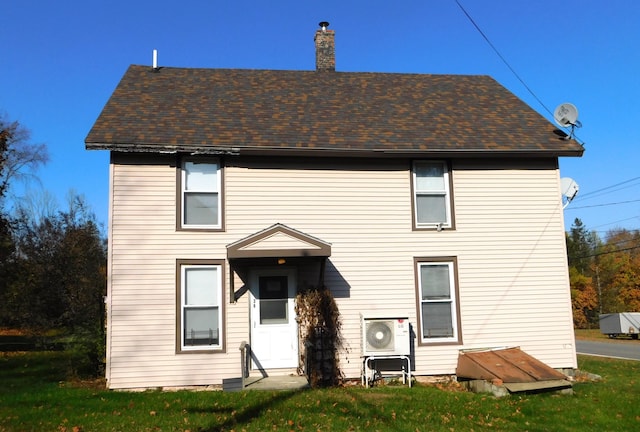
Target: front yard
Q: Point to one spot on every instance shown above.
(35, 396)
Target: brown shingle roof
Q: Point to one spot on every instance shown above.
(254, 111)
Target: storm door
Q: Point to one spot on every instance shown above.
(274, 331)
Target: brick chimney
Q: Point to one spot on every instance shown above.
(325, 48)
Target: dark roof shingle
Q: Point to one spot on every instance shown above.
(350, 113)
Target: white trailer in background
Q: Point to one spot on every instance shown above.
(620, 324)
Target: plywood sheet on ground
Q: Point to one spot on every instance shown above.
(509, 365)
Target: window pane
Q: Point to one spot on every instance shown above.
(273, 311)
(431, 209)
(201, 208)
(436, 320)
(201, 286)
(429, 177)
(273, 287)
(435, 282)
(201, 176)
(201, 326)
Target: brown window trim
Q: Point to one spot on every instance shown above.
(416, 268)
(178, 327)
(181, 159)
(414, 225)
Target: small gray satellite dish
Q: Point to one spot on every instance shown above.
(566, 115)
(569, 189)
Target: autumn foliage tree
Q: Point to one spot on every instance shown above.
(604, 275)
(581, 245)
(623, 276)
(584, 298)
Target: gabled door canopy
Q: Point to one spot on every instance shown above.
(278, 240)
(275, 245)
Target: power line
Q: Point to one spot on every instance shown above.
(606, 253)
(605, 191)
(486, 38)
(620, 220)
(622, 242)
(602, 205)
(589, 194)
(502, 58)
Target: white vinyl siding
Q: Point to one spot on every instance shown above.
(200, 306)
(201, 206)
(431, 194)
(509, 243)
(437, 302)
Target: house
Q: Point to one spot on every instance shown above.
(431, 197)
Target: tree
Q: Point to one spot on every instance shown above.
(4, 141)
(60, 268)
(19, 157)
(584, 299)
(18, 160)
(581, 245)
(622, 277)
(53, 268)
(581, 251)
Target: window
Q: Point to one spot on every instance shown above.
(200, 194)
(274, 299)
(432, 208)
(200, 306)
(437, 300)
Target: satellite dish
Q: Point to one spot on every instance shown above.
(566, 115)
(569, 189)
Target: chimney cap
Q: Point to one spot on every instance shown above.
(324, 24)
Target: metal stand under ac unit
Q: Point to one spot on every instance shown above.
(369, 373)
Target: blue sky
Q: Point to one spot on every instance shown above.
(60, 61)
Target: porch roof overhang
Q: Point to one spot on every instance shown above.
(275, 245)
(278, 241)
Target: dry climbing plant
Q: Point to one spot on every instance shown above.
(319, 321)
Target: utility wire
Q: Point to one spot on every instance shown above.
(605, 191)
(620, 220)
(606, 253)
(589, 194)
(486, 38)
(502, 58)
(602, 205)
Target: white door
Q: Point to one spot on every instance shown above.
(274, 331)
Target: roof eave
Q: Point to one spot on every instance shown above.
(329, 152)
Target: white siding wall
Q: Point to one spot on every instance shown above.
(509, 241)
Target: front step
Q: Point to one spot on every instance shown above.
(277, 382)
(256, 373)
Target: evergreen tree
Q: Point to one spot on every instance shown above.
(581, 246)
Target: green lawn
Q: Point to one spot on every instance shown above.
(35, 397)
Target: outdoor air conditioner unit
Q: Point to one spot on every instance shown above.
(385, 336)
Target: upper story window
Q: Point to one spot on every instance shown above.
(201, 194)
(438, 307)
(431, 195)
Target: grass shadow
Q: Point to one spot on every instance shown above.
(238, 416)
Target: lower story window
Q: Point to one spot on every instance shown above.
(437, 300)
(200, 306)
